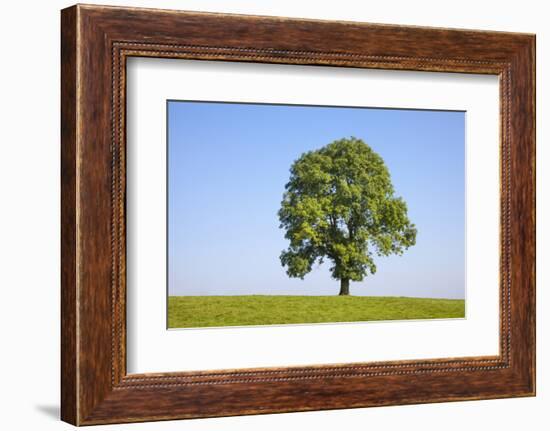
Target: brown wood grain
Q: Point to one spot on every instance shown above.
(68, 217)
(96, 41)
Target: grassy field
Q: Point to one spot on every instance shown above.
(204, 311)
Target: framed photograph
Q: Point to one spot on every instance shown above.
(264, 214)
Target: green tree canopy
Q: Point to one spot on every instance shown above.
(339, 204)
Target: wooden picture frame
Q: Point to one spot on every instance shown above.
(95, 43)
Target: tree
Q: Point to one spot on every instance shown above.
(339, 204)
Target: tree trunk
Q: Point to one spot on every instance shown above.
(344, 286)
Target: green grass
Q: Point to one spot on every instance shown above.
(204, 311)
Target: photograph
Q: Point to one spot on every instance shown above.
(304, 214)
(299, 214)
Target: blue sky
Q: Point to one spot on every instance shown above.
(227, 168)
